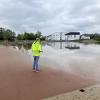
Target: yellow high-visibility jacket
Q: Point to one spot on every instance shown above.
(36, 48)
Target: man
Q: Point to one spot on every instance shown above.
(36, 50)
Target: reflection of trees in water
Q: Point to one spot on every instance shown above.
(19, 46)
(25, 46)
(22, 45)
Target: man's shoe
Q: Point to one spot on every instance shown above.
(33, 70)
(37, 70)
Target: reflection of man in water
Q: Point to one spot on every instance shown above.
(36, 50)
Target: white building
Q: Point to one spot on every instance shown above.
(64, 36)
(49, 37)
(72, 36)
(85, 37)
(58, 36)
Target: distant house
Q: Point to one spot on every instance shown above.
(85, 37)
(58, 36)
(64, 36)
(49, 37)
(72, 36)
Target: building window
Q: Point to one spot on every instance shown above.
(74, 36)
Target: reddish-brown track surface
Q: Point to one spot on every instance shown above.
(18, 82)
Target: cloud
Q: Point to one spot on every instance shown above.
(50, 16)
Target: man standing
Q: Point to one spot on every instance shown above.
(36, 50)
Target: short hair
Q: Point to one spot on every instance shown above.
(37, 39)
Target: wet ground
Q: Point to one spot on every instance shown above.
(64, 67)
(79, 59)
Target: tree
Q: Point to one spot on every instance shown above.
(1, 33)
(32, 36)
(12, 34)
(20, 37)
(6, 35)
(38, 34)
(26, 36)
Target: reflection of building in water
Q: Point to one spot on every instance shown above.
(63, 45)
(58, 36)
(57, 45)
(72, 45)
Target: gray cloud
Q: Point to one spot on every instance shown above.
(50, 16)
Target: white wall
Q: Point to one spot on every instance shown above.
(85, 37)
(72, 37)
(57, 36)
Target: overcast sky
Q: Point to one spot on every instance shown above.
(49, 16)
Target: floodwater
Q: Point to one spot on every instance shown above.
(64, 67)
(76, 58)
(79, 59)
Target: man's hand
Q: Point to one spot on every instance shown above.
(40, 51)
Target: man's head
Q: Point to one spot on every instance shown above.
(38, 39)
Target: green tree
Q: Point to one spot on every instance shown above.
(32, 36)
(26, 36)
(20, 37)
(1, 33)
(12, 34)
(38, 34)
(6, 35)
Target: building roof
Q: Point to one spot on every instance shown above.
(73, 33)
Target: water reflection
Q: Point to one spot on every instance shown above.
(26, 46)
(79, 59)
(62, 45)
(56, 45)
(71, 45)
(84, 60)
